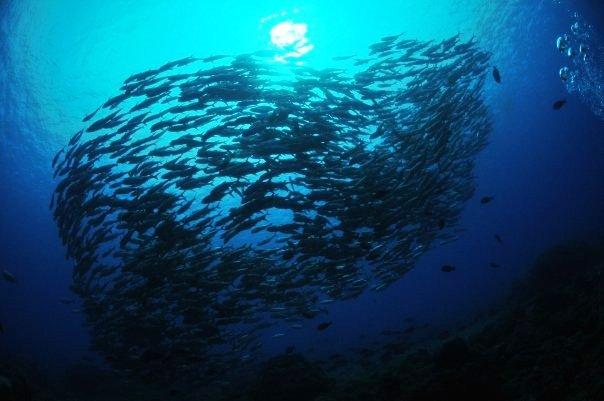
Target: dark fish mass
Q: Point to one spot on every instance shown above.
(447, 268)
(558, 104)
(211, 199)
(496, 75)
(498, 238)
(494, 265)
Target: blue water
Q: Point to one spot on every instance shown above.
(61, 59)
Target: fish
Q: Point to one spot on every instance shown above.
(447, 268)
(66, 301)
(323, 326)
(1, 329)
(486, 199)
(558, 104)
(494, 265)
(210, 59)
(7, 276)
(498, 238)
(496, 75)
(89, 116)
(158, 194)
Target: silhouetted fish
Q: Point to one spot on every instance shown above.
(558, 104)
(494, 265)
(9, 277)
(496, 75)
(441, 223)
(498, 238)
(323, 326)
(447, 268)
(486, 199)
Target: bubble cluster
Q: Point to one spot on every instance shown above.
(583, 72)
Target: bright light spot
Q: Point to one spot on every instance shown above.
(291, 37)
(287, 33)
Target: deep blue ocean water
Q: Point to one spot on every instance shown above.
(61, 59)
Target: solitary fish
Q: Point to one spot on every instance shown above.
(323, 326)
(496, 75)
(494, 265)
(9, 277)
(486, 199)
(1, 329)
(441, 224)
(558, 104)
(498, 238)
(447, 268)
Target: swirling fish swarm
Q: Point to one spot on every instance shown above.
(212, 198)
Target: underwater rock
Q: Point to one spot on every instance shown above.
(6, 388)
(289, 378)
(544, 343)
(452, 353)
(561, 263)
(14, 386)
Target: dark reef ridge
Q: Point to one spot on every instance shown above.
(545, 344)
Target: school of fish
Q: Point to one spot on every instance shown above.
(215, 198)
